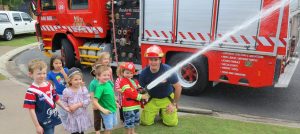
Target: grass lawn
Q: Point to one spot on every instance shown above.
(200, 124)
(2, 77)
(19, 40)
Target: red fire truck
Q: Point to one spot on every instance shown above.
(260, 55)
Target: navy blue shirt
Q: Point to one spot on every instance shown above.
(162, 90)
(43, 99)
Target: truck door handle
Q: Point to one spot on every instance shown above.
(16, 24)
(25, 23)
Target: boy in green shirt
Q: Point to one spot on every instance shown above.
(104, 98)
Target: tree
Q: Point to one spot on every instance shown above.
(13, 4)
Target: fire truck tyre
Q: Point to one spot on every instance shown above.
(8, 34)
(67, 53)
(193, 77)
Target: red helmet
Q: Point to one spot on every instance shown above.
(129, 66)
(154, 52)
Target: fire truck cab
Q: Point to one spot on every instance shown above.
(260, 54)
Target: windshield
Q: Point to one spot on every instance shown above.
(48, 4)
(78, 4)
(3, 17)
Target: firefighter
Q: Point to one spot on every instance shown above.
(163, 97)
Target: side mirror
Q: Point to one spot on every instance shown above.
(33, 8)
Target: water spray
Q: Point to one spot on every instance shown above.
(260, 15)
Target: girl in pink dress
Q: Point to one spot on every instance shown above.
(77, 98)
(118, 90)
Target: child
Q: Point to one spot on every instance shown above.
(96, 112)
(104, 59)
(118, 89)
(77, 98)
(58, 77)
(131, 98)
(40, 99)
(104, 98)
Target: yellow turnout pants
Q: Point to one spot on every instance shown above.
(153, 107)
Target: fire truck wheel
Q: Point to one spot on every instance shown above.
(67, 53)
(193, 77)
(8, 34)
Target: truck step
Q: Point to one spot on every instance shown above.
(48, 48)
(48, 54)
(89, 56)
(47, 39)
(90, 48)
(87, 63)
(286, 77)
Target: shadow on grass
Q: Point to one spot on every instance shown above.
(199, 124)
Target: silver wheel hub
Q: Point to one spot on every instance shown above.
(187, 75)
(9, 35)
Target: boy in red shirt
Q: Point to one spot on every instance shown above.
(40, 99)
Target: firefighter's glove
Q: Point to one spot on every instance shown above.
(142, 91)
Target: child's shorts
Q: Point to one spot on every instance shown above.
(131, 118)
(109, 120)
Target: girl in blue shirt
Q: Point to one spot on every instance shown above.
(58, 77)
